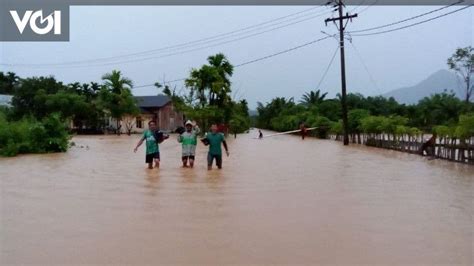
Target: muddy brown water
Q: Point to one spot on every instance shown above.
(279, 200)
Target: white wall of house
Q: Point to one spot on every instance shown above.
(138, 124)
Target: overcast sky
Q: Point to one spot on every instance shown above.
(394, 60)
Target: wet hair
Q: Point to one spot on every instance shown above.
(152, 121)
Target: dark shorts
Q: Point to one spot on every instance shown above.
(190, 157)
(151, 156)
(211, 157)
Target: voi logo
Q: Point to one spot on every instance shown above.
(45, 25)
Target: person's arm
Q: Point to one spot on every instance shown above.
(225, 145)
(139, 144)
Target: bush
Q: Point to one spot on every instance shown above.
(29, 135)
(337, 128)
(323, 125)
(465, 128)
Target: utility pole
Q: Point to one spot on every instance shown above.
(341, 18)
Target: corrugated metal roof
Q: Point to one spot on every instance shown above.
(152, 101)
(5, 100)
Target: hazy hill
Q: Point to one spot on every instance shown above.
(436, 83)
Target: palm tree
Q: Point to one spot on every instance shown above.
(118, 94)
(313, 98)
(222, 70)
(116, 83)
(211, 83)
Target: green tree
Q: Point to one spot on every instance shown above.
(355, 117)
(93, 119)
(438, 109)
(116, 97)
(220, 89)
(465, 127)
(331, 109)
(8, 83)
(116, 83)
(25, 100)
(313, 98)
(462, 62)
(211, 84)
(271, 110)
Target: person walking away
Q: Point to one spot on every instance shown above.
(152, 144)
(215, 139)
(188, 140)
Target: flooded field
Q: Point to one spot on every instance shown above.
(279, 200)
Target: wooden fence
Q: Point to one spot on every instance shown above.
(445, 148)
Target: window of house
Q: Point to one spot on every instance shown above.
(139, 122)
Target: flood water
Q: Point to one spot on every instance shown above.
(280, 200)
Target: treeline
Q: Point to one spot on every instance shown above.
(373, 115)
(442, 113)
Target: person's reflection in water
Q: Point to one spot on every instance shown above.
(215, 179)
(152, 183)
(188, 175)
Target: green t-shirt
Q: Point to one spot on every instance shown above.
(189, 142)
(189, 138)
(151, 145)
(215, 142)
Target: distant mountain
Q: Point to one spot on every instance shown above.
(443, 80)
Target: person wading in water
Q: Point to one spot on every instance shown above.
(152, 136)
(304, 130)
(188, 139)
(215, 139)
(429, 147)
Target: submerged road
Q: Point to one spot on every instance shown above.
(279, 200)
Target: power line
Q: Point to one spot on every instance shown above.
(167, 82)
(355, 8)
(408, 19)
(369, 6)
(283, 52)
(411, 25)
(178, 52)
(327, 69)
(366, 68)
(241, 31)
(254, 60)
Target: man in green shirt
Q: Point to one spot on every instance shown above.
(215, 139)
(152, 147)
(188, 139)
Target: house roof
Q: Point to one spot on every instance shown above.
(5, 100)
(152, 101)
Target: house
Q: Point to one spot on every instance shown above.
(158, 108)
(5, 100)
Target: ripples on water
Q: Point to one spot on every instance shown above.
(277, 200)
